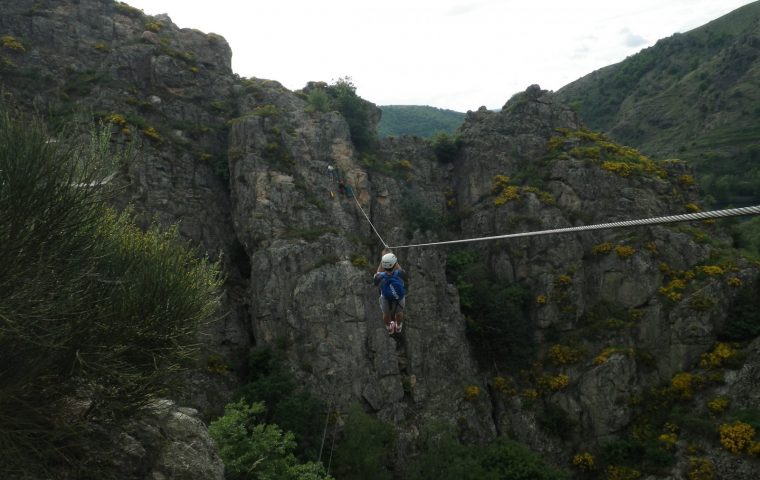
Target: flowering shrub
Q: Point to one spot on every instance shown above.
(622, 473)
(602, 248)
(10, 43)
(609, 351)
(541, 299)
(594, 146)
(154, 26)
(701, 469)
(735, 282)
(686, 180)
(672, 289)
(700, 303)
(564, 355)
(530, 394)
(117, 119)
(405, 164)
(683, 384)
(668, 440)
(713, 270)
(754, 449)
(558, 382)
(564, 280)
(718, 404)
(472, 392)
(502, 385)
(584, 462)
(736, 436)
(125, 9)
(504, 193)
(624, 251)
(693, 207)
(153, 134)
(720, 354)
(619, 168)
(359, 261)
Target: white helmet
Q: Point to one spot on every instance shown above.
(388, 261)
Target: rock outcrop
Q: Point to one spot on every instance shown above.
(242, 165)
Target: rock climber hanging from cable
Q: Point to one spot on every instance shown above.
(391, 279)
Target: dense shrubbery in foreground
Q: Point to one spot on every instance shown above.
(97, 317)
(276, 431)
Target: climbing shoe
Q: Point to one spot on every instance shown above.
(391, 327)
(398, 327)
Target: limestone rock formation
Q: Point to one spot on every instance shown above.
(242, 165)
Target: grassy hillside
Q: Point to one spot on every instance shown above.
(694, 96)
(422, 121)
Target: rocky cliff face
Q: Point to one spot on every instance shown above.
(242, 165)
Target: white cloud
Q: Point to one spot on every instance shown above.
(456, 54)
(632, 40)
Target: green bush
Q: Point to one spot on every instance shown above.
(343, 98)
(418, 216)
(445, 146)
(318, 100)
(363, 452)
(556, 420)
(252, 449)
(498, 323)
(646, 455)
(445, 458)
(267, 380)
(97, 317)
(743, 320)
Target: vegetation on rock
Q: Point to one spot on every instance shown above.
(98, 318)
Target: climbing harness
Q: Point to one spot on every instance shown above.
(686, 217)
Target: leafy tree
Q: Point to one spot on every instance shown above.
(445, 146)
(97, 317)
(498, 324)
(251, 449)
(743, 320)
(318, 100)
(362, 453)
(268, 381)
(445, 458)
(343, 98)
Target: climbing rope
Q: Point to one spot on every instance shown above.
(731, 212)
(370, 222)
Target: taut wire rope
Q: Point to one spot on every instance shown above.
(685, 217)
(370, 222)
(731, 212)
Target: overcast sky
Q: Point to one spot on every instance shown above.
(455, 54)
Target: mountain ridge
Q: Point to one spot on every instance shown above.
(689, 96)
(420, 120)
(584, 346)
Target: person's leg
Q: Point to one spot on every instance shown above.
(386, 309)
(399, 316)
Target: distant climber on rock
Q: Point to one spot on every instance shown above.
(391, 279)
(332, 175)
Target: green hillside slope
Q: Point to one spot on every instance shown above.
(422, 121)
(694, 96)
